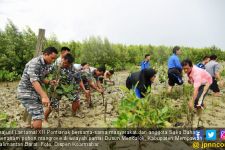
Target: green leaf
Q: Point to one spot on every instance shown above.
(59, 91)
(164, 110)
(3, 117)
(13, 124)
(70, 96)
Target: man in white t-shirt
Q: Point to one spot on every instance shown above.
(64, 51)
(78, 67)
(88, 75)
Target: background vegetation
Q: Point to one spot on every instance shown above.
(17, 48)
(5, 121)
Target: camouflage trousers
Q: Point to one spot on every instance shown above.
(55, 101)
(34, 107)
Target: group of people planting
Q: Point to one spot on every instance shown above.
(203, 76)
(63, 72)
(30, 92)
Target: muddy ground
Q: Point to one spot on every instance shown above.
(94, 117)
(213, 115)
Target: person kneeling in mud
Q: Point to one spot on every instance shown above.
(88, 74)
(68, 77)
(201, 80)
(140, 81)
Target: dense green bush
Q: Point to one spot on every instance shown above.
(5, 123)
(223, 73)
(98, 52)
(152, 111)
(8, 76)
(17, 48)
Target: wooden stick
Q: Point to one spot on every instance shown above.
(103, 98)
(105, 111)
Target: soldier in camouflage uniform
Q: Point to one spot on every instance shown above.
(88, 75)
(29, 90)
(70, 78)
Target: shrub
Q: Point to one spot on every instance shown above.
(148, 112)
(8, 76)
(5, 123)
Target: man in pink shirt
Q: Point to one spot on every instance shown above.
(201, 80)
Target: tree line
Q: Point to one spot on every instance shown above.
(17, 48)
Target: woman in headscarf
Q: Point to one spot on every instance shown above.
(141, 81)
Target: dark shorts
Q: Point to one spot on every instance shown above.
(34, 107)
(214, 86)
(175, 77)
(101, 79)
(200, 97)
(129, 83)
(86, 85)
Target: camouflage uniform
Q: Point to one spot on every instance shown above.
(87, 75)
(68, 76)
(35, 70)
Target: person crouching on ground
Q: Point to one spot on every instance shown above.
(107, 78)
(201, 80)
(68, 76)
(140, 81)
(90, 77)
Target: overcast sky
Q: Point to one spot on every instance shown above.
(194, 23)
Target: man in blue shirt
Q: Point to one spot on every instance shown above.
(145, 63)
(174, 69)
(202, 64)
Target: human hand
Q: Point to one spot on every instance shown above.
(101, 91)
(189, 81)
(86, 92)
(53, 82)
(45, 101)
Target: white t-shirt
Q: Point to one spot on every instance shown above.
(58, 61)
(77, 66)
(92, 69)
